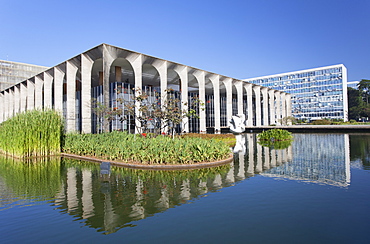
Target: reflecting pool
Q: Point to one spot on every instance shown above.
(316, 190)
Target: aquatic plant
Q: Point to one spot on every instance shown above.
(275, 138)
(32, 133)
(121, 146)
(229, 139)
(275, 135)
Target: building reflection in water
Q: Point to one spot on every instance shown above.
(116, 201)
(318, 158)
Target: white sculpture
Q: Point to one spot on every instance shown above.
(240, 144)
(237, 123)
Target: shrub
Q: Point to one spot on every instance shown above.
(276, 138)
(275, 134)
(321, 122)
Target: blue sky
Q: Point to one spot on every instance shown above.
(240, 39)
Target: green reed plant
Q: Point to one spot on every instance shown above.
(32, 133)
(121, 146)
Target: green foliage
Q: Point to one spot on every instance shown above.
(147, 149)
(32, 133)
(356, 104)
(276, 138)
(169, 177)
(163, 112)
(276, 144)
(30, 179)
(104, 113)
(364, 88)
(321, 122)
(228, 139)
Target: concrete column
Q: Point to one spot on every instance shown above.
(161, 67)
(257, 93)
(58, 89)
(216, 102)
(11, 102)
(72, 199)
(71, 72)
(229, 98)
(86, 68)
(2, 103)
(17, 99)
(107, 63)
(288, 98)
(87, 192)
(259, 167)
(38, 92)
(249, 90)
(30, 95)
(48, 86)
(250, 147)
(265, 107)
(273, 158)
(272, 107)
(183, 73)
(23, 96)
(283, 105)
(136, 61)
(278, 107)
(266, 164)
(202, 97)
(6, 104)
(239, 90)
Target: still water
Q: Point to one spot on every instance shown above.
(317, 190)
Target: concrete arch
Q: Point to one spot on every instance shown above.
(194, 91)
(182, 71)
(257, 95)
(209, 102)
(216, 111)
(249, 99)
(229, 90)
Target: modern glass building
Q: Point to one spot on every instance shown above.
(353, 84)
(316, 93)
(12, 73)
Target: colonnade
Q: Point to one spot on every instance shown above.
(68, 86)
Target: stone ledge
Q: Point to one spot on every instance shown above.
(153, 166)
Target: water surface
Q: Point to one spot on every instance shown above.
(314, 191)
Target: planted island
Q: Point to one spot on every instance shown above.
(41, 133)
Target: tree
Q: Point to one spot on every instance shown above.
(103, 113)
(356, 105)
(364, 88)
(158, 113)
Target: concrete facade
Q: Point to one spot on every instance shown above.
(100, 72)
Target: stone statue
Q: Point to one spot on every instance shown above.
(237, 124)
